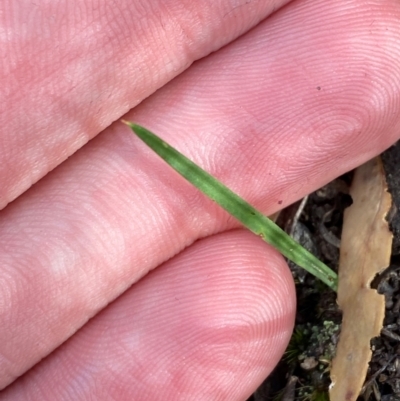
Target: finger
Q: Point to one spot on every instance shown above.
(311, 94)
(210, 324)
(69, 70)
(114, 211)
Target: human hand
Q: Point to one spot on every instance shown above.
(310, 93)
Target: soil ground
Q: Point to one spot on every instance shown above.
(316, 222)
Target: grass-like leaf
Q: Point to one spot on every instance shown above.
(250, 217)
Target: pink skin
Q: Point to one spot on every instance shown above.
(213, 320)
(71, 67)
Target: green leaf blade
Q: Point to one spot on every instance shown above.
(250, 217)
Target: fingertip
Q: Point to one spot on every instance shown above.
(210, 323)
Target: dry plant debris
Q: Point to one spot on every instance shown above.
(365, 251)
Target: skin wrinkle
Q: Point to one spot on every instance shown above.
(149, 177)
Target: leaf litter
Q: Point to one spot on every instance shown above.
(365, 252)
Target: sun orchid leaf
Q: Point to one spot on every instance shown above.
(250, 217)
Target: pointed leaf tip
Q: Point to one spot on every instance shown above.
(138, 130)
(134, 127)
